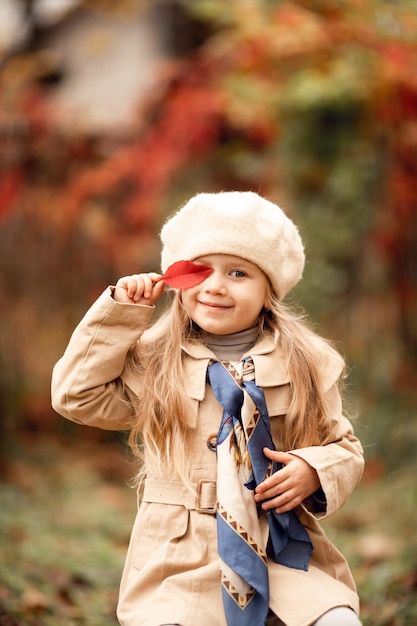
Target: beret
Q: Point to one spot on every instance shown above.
(239, 223)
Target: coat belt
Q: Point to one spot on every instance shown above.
(201, 497)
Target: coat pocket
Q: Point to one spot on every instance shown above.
(157, 533)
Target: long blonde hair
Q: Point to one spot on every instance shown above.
(161, 423)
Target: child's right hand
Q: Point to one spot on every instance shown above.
(139, 289)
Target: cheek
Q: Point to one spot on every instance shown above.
(253, 310)
(262, 300)
(266, 298)
(187, 300)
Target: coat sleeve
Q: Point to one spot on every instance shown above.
(339, 464)
(86, 382)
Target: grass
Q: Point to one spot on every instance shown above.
(64, 533)
(65, 518)
(376, 530)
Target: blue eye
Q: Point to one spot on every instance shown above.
(238, 273)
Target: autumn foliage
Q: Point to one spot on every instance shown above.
(313, 104)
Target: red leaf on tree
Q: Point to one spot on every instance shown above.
(185, 274)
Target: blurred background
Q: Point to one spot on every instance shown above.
(112, 114)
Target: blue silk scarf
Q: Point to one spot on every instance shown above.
(246, 535)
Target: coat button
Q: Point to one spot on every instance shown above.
(212, 443)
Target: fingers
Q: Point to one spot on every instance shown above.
(283, 502)
(277, 455)
(139, 288)
(276, 492)
(289, 486)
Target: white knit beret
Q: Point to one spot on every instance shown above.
(242, 224)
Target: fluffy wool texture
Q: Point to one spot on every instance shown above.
(242, 224)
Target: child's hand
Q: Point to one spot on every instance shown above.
(289, 486)
(139, 289)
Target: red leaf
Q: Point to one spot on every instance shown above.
(185, 274)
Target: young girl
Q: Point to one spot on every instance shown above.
(233, 408)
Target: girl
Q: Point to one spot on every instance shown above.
(234, 411)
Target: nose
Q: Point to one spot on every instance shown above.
(214, 283)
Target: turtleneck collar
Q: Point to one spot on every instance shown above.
(230, 347)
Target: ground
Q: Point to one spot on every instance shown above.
(66, 510)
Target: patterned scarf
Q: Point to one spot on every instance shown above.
(245, 534)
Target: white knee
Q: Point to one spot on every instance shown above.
(340, 616)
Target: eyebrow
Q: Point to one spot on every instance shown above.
(241, 263)
(231, 263)
(235, 262)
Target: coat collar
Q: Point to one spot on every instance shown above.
(270, 369)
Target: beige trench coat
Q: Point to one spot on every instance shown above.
(171, 573)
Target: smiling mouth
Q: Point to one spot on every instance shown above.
(214, 305)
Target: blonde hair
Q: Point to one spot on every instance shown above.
(161, 425)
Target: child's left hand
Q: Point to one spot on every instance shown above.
(289, 486)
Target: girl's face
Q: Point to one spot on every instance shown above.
(230, 299)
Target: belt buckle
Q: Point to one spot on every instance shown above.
(212, 506)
